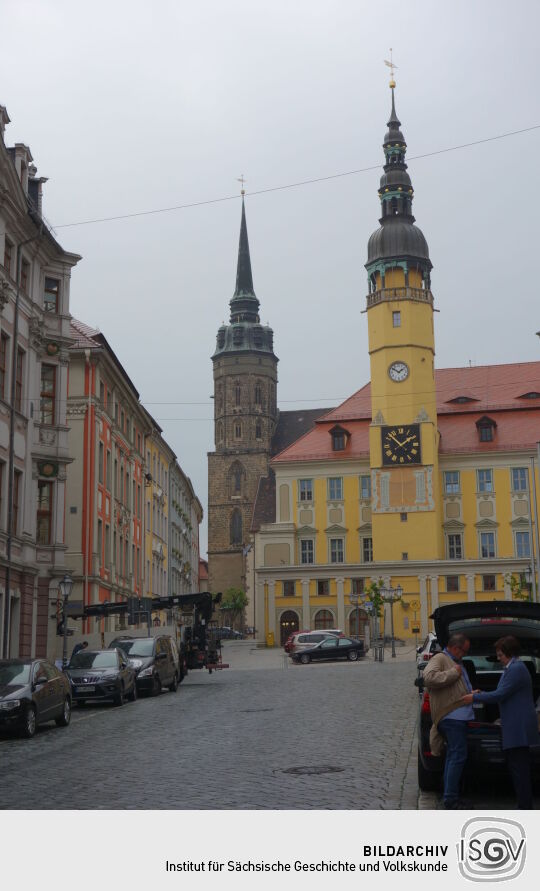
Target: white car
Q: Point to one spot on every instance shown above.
(426, 650)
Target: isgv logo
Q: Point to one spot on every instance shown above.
(491, 849)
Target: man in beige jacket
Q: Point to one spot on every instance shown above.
(447, 682)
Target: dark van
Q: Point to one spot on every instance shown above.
(155, 660)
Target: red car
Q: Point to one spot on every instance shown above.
(289, 642)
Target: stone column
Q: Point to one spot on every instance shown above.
(340, 604)
(507, 589)
(422, 579)
(387, 607)
(306, 618)
(434, 587)
(260, 618)
(470, 587)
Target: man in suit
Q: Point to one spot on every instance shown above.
(514, 696)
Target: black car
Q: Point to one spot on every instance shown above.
(155, 660)
(98, 675)
(483, 624)
(32, 692)
(330, 649)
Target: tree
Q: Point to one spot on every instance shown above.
(234, 603)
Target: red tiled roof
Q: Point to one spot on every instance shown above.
(497, 390)
(83, 335)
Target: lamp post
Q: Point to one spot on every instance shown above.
(390, 595)
(528, 578)
(65, 587)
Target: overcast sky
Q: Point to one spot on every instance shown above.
(132, 106)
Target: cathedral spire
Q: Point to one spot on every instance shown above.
(244, 278)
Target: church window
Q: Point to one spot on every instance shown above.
(238, 430)
(236, 478)
(258, 395)
(219, 432)
(396, 319)
(236, 528)
(237, 394)
(258, 430)
(394, 206)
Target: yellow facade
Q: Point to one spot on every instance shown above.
(447, 519)
(158, 459)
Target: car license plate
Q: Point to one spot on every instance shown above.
(88, 689)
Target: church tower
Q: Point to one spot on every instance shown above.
(245, 413)
(403, 435)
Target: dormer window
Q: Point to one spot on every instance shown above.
(486, 429)
(340, 438)
(534, 394)
(461, 400)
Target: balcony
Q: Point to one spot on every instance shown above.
(385, 295)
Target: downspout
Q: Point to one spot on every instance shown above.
(88, 476)
(532, 489)
(537, 533)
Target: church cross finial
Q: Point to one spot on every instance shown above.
(242, 181)
(392, 68)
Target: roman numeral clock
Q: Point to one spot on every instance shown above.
(401, 445)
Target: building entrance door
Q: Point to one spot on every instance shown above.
(288, 624)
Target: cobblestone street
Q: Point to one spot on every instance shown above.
(263, 734)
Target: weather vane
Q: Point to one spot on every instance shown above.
(391, 67)
(241, 180)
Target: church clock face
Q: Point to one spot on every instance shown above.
(401, 445)
(398, 371)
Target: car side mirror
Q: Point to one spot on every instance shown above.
(124, 664)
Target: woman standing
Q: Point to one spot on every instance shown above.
(514, 696)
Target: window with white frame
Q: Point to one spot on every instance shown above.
(487, 545)
(365, 487)
(306, 551)
(305, 488)
(335, 488)
(337, 552)
(520, 479)
(451, 482)
(523, 544)
(485, 480)
(455, 546)
(396, 319)
(367, 550)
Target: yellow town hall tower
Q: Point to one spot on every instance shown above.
(403, 436)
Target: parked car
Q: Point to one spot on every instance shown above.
(426, 650)
(308, 639)
(155, 660)
(483, 623)
(99, 675)
(330, 649)
(226, 633)
(32, 692)
(288, 643)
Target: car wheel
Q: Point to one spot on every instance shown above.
(156, 685)
(64, 719)
(427, 780)
(119, 698)
(352, 656)
(30, 723)
(305, 658)
(133, 695)
(174, 686)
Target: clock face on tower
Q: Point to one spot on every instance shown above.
(401, 445)
(398, 371)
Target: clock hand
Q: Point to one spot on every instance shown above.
(391, 436)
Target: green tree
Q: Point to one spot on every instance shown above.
(518, 586)
(234, 604)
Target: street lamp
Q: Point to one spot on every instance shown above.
(65, 587)
(390, 595)
(528, 578)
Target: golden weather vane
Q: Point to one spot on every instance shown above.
(241, 180)
(392, 67)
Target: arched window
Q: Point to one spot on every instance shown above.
(358, 620)
(237, 394)
(288, 624)
(258, 430)
(258, 395)
(323, 619)
(237, 430)
(219, 432)
(237, 476)
(394, 206)
(236, 527)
